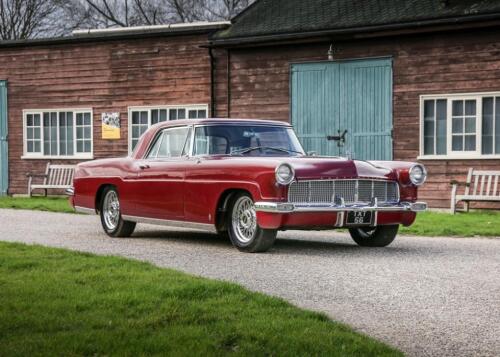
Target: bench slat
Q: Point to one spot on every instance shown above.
(486, 172)
(477, 198)
(481, 188)
(488, 186)
(495, 187)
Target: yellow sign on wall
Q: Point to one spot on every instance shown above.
(111, 126)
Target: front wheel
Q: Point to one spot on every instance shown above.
(111, 217)
(244, 232)
(380, 236)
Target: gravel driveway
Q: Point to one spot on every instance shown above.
(426, 296)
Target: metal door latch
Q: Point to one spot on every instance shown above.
(340, 139)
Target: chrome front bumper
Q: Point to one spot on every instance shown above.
(284, 207)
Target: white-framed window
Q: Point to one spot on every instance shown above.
(460, 126)
(142, 118)
(58, 134)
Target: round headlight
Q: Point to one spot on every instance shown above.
(418, 174)
(285, 174)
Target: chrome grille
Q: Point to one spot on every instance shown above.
(352, 191)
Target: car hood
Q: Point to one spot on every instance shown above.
(322, 167)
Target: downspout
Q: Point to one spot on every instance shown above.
(228, 79)
(212, 83)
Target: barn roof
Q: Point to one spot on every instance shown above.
(280, 17)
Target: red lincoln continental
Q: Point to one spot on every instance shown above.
(247, 179)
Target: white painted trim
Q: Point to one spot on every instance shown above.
(149, 108)
(28, 157)
(37, 156)
(459, 155)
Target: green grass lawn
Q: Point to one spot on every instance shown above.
(51, 204)
(474, 223)
(57, 302)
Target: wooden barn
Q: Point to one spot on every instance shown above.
(406, 80)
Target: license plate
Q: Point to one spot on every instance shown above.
(359, 218)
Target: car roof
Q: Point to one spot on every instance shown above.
(231, 121)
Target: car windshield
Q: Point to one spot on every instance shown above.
(246, 140)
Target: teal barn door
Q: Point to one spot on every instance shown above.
(355, 96)
(4, 154)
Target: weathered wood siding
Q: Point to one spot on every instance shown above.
(466, 61)
(104, 76)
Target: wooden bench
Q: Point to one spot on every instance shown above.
(480, 186)
(55, 177)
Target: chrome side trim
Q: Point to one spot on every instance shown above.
(70, 191)
(171, 223)
(278, 207)
(85, 210)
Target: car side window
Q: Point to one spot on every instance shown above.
(170, 143)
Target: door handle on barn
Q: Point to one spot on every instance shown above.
(340, 139)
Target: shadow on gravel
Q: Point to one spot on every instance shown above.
(282, 245)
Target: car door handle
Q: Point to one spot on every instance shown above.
(144, 167)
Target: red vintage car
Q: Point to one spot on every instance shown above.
(247, 179)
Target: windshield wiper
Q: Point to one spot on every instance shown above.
(253, 148)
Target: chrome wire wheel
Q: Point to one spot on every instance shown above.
(111, 210)
(244, 219)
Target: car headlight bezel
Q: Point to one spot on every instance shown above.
(284, 179)
(417, 178)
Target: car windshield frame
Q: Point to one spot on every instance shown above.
(298, 148)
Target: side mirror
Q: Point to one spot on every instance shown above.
(311, 153)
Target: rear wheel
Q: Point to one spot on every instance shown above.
(111, 218)
(244, 232)
(380, 236)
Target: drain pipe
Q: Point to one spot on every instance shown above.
(228, 79)
(212, 82)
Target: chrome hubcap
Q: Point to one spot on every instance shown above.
(111, 210)
(244, 219)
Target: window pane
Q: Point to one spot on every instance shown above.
(144, 118)
(87, 133)
(429, 127)
(470, 124)
(457, 143)
(163, 115)
(30, 146)
(154, 150)
(36, 119)
(29, 120)
(88, 146)
(181, 114)
(457, 125)
(30, 133)
(173, 114)
(470, 143)
(154, 117)
(79, 119)
(86, 120)
(458, 108)
(470, 107)
(79, 146)
(135, 132)
(79, 133)
(37, 146)
(441, 127)
(135, 117)
(202, 114)
(192, 114)
(487, 121)
(497, 125)
(36, 133)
